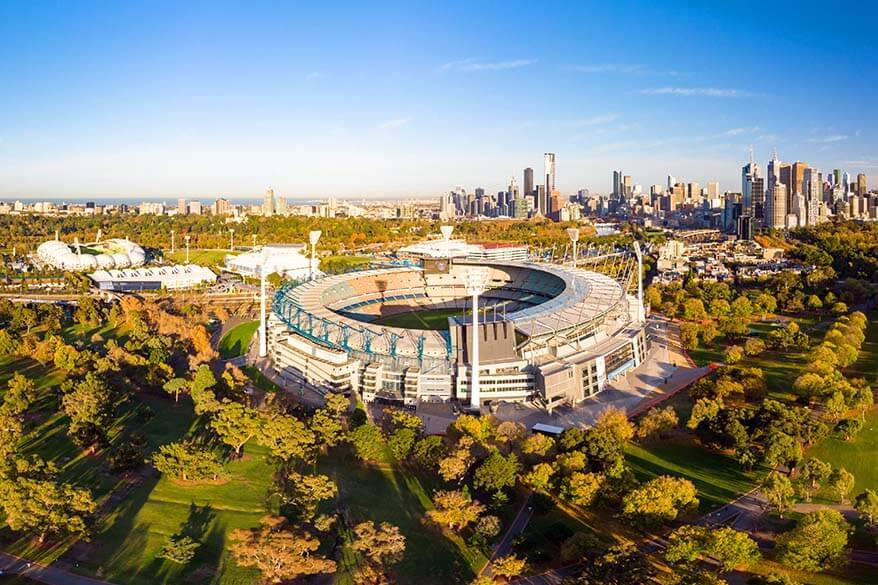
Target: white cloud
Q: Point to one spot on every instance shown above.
(473, 65)
(595, 120)
(740, 131)
(697, 91)
(395, 123)
(621, 69)
(313, 76)
(828, 139)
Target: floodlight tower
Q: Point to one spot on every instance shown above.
(263, 322)
(231, 239)
(476, 281)
(446, 237)
(172, 241)
(641, 309)
(573, 234)
(313, 237)
(254, 241)
(187, 248)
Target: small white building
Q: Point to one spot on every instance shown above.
(288, 260)
(498, 252)
(160, 278)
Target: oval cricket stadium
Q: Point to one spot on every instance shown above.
(551, 334)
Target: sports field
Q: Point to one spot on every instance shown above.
(436, 320)
(237, 339)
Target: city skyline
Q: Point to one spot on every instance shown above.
(110, 100)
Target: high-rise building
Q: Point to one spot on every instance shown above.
(713, 190)
(749, 175)
(221, 207)
(268, 203)
(812, 186)
(836, 177)
(671, 182)
(542, 201)
(528, 184)
(798, 177)
(555, 204)
(617, 185)
(776, 207)
(774, 166)
(862, 187)
(194, 208)
(846, 182)
(627, 188)
(549, 167)
(182, 208)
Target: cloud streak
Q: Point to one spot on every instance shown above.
(620, 69)
(828, 139)
(394, 123)
(740, 131)
(595, 120)
(697, 92)
(471, 65)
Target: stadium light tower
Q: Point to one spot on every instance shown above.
(313, 237)
(172, 241)
(476, 281)
(263, 322)
(187, 248)
(254, 241)
(573, 233)
(446, 237)
(641, 309)
(231, 239)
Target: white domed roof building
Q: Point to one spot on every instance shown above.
(106, 254)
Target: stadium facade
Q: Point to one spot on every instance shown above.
(98, 255)
(553, 334)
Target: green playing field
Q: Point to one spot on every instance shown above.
(435, 320)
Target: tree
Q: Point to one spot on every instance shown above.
(540, 477)
(179, 549)
(658, 500)
(754, 346)
(841, 482)
(657, 422)
(368, 442)
(496, 472)
(176, 386)
(279, 552)
(689, 335)
(380, 545)
(186, 461)
(235, 424)
(401, 442)
(686, 544)
(622, 564)
(327, 426)
(204, 398)
(693, 310)
(429, 450)
(818, 541)
(732, 548)
(581, 488)
(778, 491)
(455, 509)
(35, 503)
(704, 409)
(66, 357)
(538, 445)
(614, 423)
(8, 344)
(813, 473)
(307, 491)
(866, 505)
(733, 354)
(89, 406)
(287, 437)
(508, 567)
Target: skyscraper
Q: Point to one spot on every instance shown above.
(749, 173)
(268, 203)
(861, 185)
(549, 166)
(774, 166)
(798, 177)
(528, 184)
(812, 188)
(776, 207)
(626, 186)
(617, 185)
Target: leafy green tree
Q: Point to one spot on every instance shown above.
(175, 387)
(657, 422)
(538, 445)
(508, 567)
(704, 409)
(866, 505)
(732, 548)
(581, 488)
(286, 437)
(235, 424)
(327, 427)
(89, 405)
(778, 491)
(841, 482)
(689, 335)
(8, 344)
(540, 477)
(205, 399)
(658, 500)
(368, 442)
(401, 442)
(307, 491)
(179, 549)
(693, 310)
(812, 474)
(818, 542)
(186, 461)
(429, 451)
(733, 354)
(496, 472)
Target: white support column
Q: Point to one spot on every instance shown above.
(641, 310)
(263, 321)
(474, 391)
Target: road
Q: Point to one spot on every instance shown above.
(43, 573)
(517, 527)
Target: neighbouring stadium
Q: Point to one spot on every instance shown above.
(553, 334)
(97, 255)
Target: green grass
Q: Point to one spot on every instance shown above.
(260, 380)
(202, 257)
(858, 455)
(237, 339)
(717, 476)
(433, 320)
(401, 497)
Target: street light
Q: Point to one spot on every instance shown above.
(263, 322)
(231, 239)
(172, 241)
(476, 281)
(187, 248)
(313, 237)
(573, 233)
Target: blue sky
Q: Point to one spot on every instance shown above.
(411, 98)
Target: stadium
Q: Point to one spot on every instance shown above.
(97, 255)
(552, 334)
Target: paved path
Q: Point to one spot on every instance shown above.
(43, 573)
(517, 527)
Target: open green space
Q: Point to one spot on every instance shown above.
(436, 320)
(237, 339)
(341, 263)
(401, 496)
(717, 476)
(203, 257)
(859, 455)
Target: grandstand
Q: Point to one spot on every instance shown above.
(536, 320)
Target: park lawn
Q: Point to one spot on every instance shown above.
(203, 257)
(433, 320)
(400, 496)
(851, 574)
(341, 263)
(260, 380)
(858, 456)
(717, 476)
(237, 339)
(124, 550)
